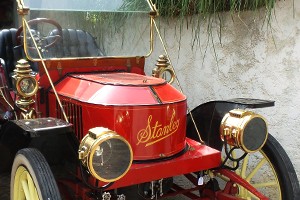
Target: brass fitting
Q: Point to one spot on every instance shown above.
(22, 10)
(162, 69)
(25, 86)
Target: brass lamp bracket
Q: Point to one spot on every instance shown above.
(162, 69)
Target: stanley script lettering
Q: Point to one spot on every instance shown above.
(155, 131)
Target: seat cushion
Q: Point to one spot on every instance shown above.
(11, 52)
(8, 53)
(75, 43)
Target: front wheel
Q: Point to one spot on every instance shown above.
(32, 178)
(270, 171)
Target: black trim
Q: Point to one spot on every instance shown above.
(155, 95)
(208, 117)
(73, 75)
(252, 103)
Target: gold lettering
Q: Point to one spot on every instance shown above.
(155, 131)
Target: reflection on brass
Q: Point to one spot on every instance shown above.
(102, 151)
(25, 86)
(3, 96)
(244, 129)
(162, 69)
(154, 11)
(30, 114)
(151, 35)
(22, 10)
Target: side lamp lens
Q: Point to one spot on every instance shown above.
(27, 86)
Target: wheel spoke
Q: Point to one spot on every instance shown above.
(252, 169)
(32, 188)
(25, 188)
(244, 166)
(266, 184)
(255, 170)
(251, 196)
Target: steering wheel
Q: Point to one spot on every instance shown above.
(41, 39)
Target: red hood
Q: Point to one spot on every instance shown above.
(118, 89)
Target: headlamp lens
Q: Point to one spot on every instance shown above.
(254, 134)
(111, 159)
(107, 155)
(27, 86)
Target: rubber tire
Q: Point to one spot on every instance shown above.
(287, 177)
(40, 172)
(284, 168)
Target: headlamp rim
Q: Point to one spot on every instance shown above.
(18, 88)
(243, 117)
(247, 121)
(91, 151)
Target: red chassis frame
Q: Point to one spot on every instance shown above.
(198, 157)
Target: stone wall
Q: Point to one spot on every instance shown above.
(246, 57)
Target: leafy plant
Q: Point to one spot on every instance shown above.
(172, 8)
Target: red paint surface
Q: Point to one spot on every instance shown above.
(152, 122)
(199, 157)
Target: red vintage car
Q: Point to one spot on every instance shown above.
(80, 119)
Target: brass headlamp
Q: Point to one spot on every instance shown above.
(24, 80)
(107, 155)
(25, 86)
(244, 129)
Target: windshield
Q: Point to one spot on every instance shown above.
(87, 28)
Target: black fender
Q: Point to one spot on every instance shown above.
(208, 117)
(54, 138)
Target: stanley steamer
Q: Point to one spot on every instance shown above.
(81, 120)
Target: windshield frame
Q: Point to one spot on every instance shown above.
(23, 12)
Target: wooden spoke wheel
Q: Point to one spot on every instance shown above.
(269, 170)
(32, 178)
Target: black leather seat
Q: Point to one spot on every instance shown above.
(8, 52)
(11, 52)
(75, 43)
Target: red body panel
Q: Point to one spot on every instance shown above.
(198, 157)
(149, 113)
(126, 103)
(59, 68)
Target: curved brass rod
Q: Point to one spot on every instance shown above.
(20, 4)
(152, 6)
(151, 36)
(25, 24)
(176, 78)
(4, 97)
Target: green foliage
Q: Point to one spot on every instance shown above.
(172, 8)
